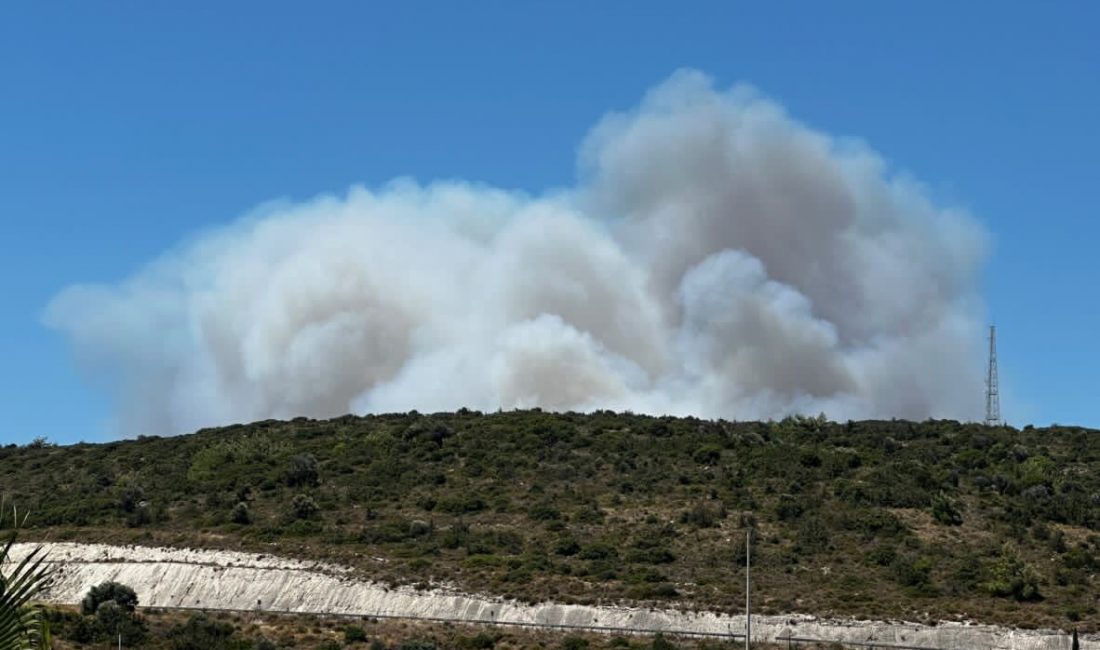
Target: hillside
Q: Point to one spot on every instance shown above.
(921, 521)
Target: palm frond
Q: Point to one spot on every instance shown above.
(22, 625)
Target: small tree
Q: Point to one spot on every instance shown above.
(112, 619)
(1012, 577)
(124, 597)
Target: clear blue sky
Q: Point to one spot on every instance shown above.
(126, 127)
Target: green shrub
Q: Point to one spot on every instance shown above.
(303, 507)
(598, 552)
(702, 515)
(241, 514)
(303, 471)
(1011, 577)
(480, 641)
(945, 510)
(114, 621)
(418, 528)
(567, 546)
(788, 508)
(461, 504)
(812, 536)
(544, 512)
(122, 595)
(914, 572)
(707, 454)
(883, 555)
(354, 634)
(201, 633)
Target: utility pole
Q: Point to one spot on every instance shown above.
(748, 588)
(992, 391)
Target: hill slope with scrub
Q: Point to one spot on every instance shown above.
(878, 519)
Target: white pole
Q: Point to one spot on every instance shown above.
(748, 587)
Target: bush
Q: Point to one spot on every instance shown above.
(303, 507)
(703, 516)
(241, 514)
(461, 504)
(567, 546)
(303, 471)
(945, 511)
(480, 641)
(200, 633)
(131, 499)
(883, 555)
(419, 528)
(544, 512)
(111, 619)
(788, 508)
(708, 454)
(915, 573)
(598, 552)
(123, 596)
(811, 536)
(109, 614)
(354, 634)
(1011, 577)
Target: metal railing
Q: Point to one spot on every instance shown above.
(791, 641)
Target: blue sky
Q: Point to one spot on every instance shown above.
(128, 127)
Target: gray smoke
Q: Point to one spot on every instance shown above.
(716, 258)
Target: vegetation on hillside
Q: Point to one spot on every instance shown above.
(874, 519)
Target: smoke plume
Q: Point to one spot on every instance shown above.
(716, 258)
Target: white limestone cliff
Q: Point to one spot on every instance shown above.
(168, 577)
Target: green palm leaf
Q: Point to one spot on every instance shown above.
(22, 625)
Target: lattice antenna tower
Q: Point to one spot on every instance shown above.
(992, 391)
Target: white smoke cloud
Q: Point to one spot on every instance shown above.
(716, 258)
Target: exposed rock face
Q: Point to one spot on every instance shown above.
(165, 577)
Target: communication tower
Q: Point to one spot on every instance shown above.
(992, 392)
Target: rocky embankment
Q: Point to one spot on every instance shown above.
(165, 577)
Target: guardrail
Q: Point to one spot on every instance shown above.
(791, 641)
(871, 645)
